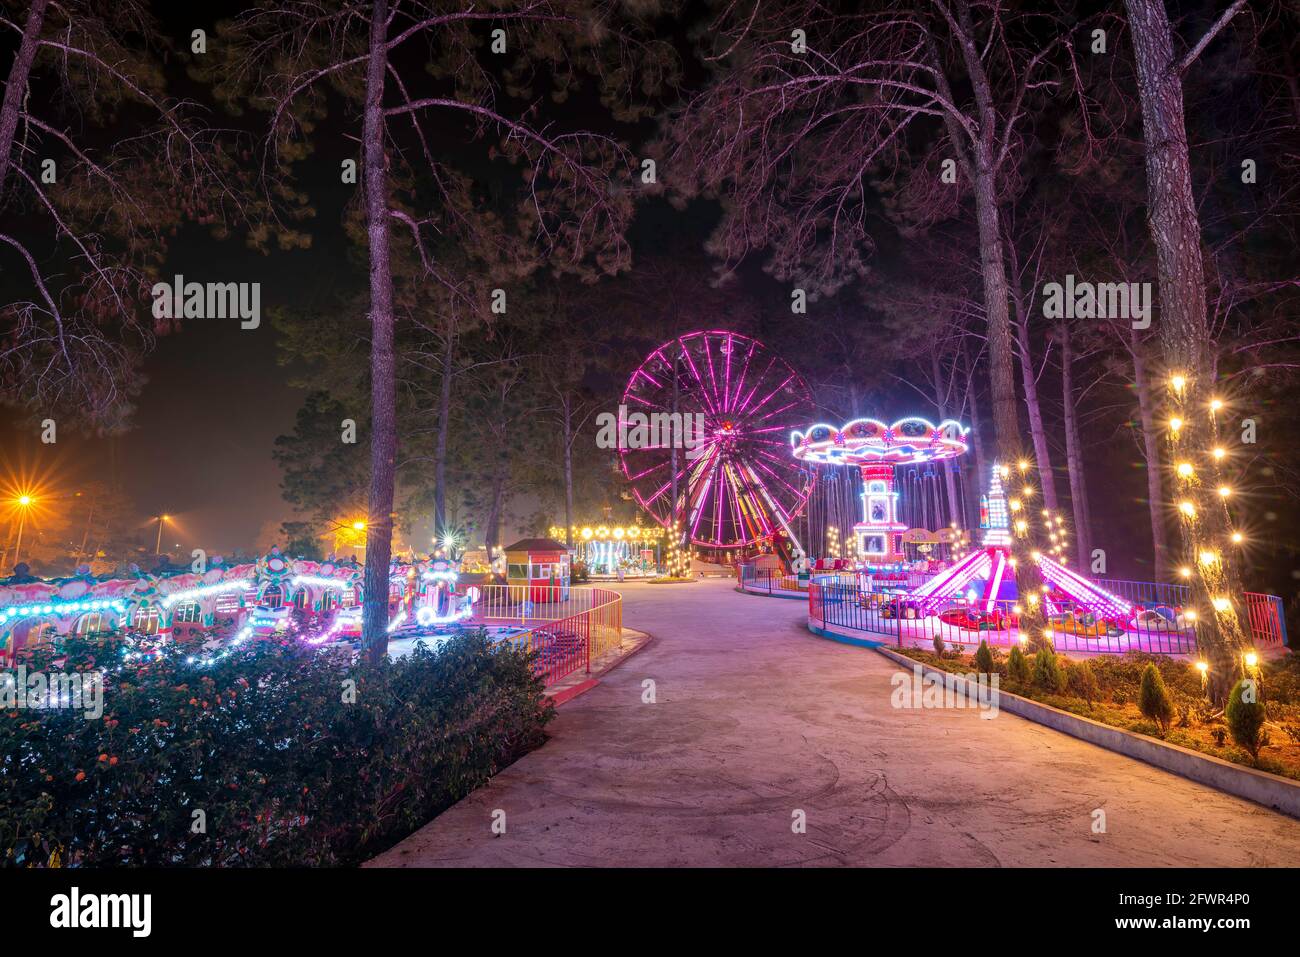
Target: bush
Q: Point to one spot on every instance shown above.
(1017, 665)
(984, 658)
(266, 745)
(1083, 681)
(1153, 698)
(1245, 716)
(1047, 671)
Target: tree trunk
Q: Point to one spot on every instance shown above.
(383, 371)
(492, 533)
(1006, 426)
(1151, 448)
(567, 412)
(982, 473)
(16, 85)
(1074, 456)
(1186, 345)
(444, 424)
(1036, 431)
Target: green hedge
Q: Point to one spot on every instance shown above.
(263, 742)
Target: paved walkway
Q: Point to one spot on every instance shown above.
(755, 719)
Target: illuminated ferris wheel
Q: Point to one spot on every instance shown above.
(737, 486)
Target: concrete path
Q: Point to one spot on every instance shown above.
(754, 719)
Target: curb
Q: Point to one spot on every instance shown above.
(565, 695)
(760, 594)
(1262, 787)
(844, 639)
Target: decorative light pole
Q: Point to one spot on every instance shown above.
(157, 548)
(24, 502)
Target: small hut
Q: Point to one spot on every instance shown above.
(542, 564)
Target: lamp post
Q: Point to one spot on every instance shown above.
(162, 519)
(24, 502)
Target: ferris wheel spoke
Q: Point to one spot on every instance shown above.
(726, 373)
(653, 468)
(708, 359)
(758, 384)
(776, 478)
(648, 377)
(785, 408)
(740, 381)
(698, 379)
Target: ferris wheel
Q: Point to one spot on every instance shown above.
(738, 485)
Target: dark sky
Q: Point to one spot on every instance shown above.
(215, 399)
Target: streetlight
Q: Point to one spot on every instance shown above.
(157, 548)
(24, 502)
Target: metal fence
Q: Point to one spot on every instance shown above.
(1072, 626)
(580, 624)
(766, 581)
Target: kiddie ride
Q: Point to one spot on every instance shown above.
(978, 592)
(423, 601)
(983, 586)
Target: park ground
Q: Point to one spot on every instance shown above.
(754, 719)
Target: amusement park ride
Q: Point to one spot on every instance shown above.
(990, 566)
(737, 490)
(877, 450)
(985, 576)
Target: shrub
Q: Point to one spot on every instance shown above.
(1153, 698)
(1083, 681)
(1047, 671)
(266, 744)
(984, 658)
(1017, 665)
(1245, 716)
(938, 645)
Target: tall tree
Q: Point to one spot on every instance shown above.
(790, 130)
(414, 74)
(99, 166)
(1194, 426)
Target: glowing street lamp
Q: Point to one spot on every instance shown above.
(24, 503)
(162, 519)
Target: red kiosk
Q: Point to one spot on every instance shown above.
(542, 564)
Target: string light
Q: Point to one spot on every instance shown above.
(1185, 469)
(1187, 508)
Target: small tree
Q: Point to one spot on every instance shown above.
(1245, 715)
(1017, 665)
(1153, 698)
(1047, 671)
(1083, 682)
(938, 645)
(984, 658)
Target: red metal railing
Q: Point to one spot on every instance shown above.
(566, 633)
(1072, 626)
